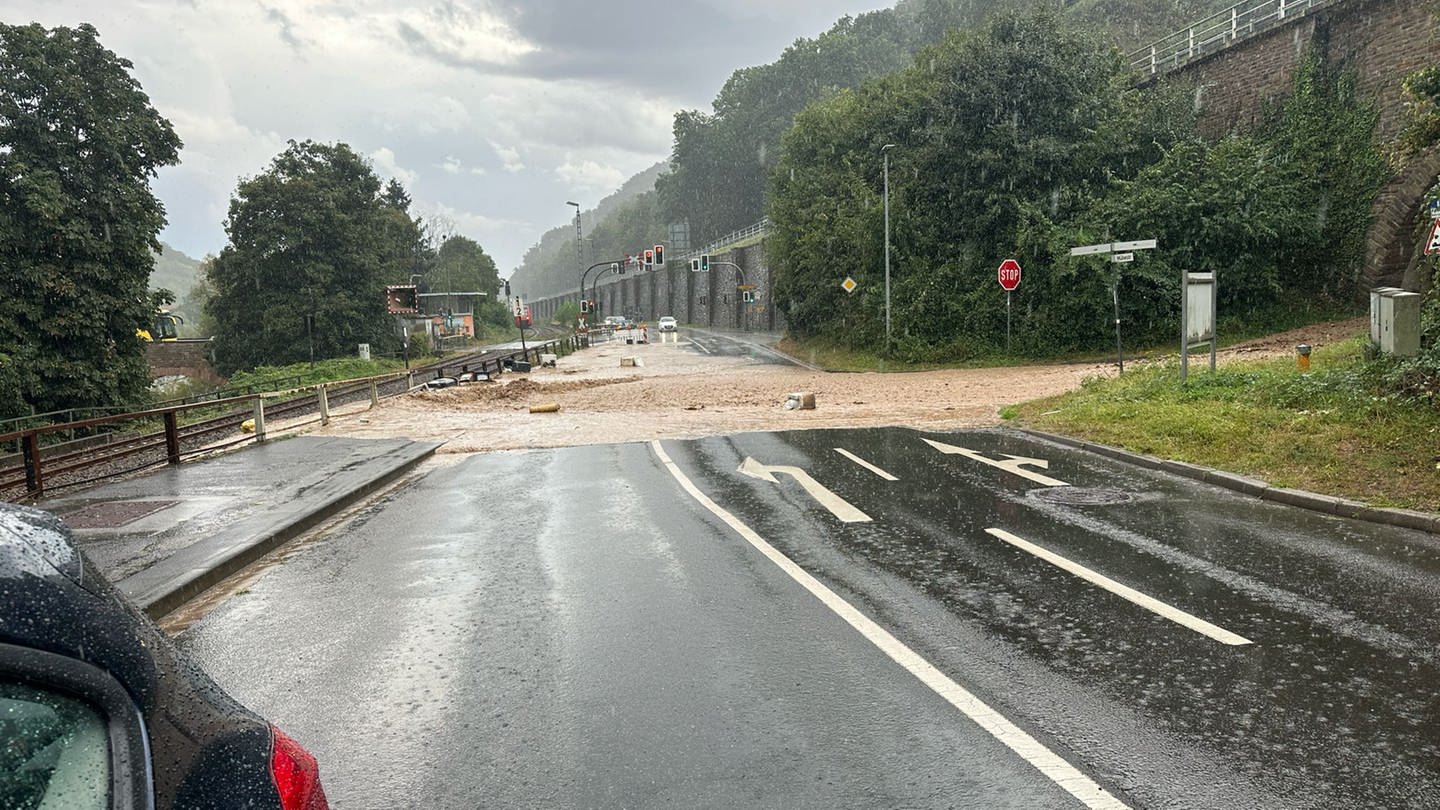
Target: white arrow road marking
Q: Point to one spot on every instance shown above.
(1047, 762)
(867, 465)
(838, 506)
(1150, 603)
(1015, 464)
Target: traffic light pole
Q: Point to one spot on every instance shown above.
(744, 311)
(586, 274)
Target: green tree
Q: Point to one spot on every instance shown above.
(312, 236)
(461, 265)
(999, 133)
(720, 161)
(79, 143)
(1025, 138)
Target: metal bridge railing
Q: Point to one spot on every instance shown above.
(1218, 32)
(761, 228)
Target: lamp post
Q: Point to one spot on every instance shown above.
(579, 258)
(885, 151)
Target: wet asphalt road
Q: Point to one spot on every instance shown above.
(570, 628)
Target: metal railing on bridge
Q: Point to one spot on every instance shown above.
(1218, 32)
(761, 228)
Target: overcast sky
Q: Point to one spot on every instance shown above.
(493, 113)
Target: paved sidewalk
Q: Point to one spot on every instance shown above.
(165, 537)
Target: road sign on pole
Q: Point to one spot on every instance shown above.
(1009, 274)
(1119, 252)
(1433, 245)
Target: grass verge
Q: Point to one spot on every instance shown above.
(1326, 430)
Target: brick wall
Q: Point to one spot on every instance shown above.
(1382, 40)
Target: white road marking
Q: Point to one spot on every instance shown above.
(1055, 768)
(838, 506)
(1150, 603)
(697, 344)
(1015, 464)
(867, 465)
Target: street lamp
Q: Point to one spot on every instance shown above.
(579, 257)
(885, 151)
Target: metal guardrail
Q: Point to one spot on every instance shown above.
(131, 442)
(761, 228)
(1218, 32)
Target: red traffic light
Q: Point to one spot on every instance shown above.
(659, 255)
(649, 257)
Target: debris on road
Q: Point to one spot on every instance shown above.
(802, 400)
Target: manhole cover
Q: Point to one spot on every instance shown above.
(113, 515)
(1082, 496)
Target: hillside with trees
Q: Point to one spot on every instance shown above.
(716, 179)
(985, 169)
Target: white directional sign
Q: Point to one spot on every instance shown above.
(838, 506)
(1011, 464)
(1114, 247)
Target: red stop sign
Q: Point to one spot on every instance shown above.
(1009, 274)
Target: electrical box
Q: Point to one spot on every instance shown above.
(1395, 321)
(1375, 296)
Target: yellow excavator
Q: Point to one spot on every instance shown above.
(165, 327)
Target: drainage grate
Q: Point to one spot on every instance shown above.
(1082, 496)
(113, 514)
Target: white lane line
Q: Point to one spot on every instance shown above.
(867, 465)
(1062, 773)
(1150, 603)
(697, 344)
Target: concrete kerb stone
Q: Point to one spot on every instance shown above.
(158, 590)
(1340, 507)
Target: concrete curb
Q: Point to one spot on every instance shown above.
(167, 585)
(1327, 504)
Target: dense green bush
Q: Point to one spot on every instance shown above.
(1027, 138)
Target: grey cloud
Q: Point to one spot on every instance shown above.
(666, 48)
(286, 27)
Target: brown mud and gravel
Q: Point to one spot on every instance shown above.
(675, 392)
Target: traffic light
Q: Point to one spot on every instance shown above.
(704, 262)
(748, 296)
(584, 306)
(694, 265)
(649, 257)
(659, 255)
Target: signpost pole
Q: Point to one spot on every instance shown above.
(1184, 325)
(1119, 253)
(1007, 321)
(1214, 315)
(1009, 277)
(1115, 294)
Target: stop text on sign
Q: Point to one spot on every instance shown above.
(1009, 274)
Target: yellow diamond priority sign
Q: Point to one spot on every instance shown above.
(848, 285)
